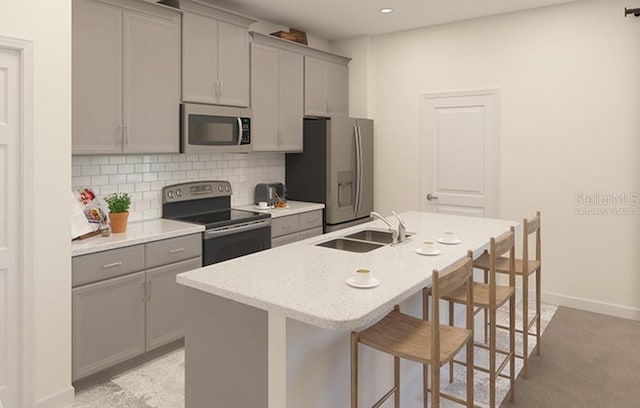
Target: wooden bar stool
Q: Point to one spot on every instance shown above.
(489, 297)
(423, 341)
(524, 268)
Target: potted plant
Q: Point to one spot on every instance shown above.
(118, 210)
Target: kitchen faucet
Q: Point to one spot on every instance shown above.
(399, 234)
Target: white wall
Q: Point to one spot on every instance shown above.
(48, 25)
(570, 124)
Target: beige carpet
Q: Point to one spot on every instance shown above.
(588, 360)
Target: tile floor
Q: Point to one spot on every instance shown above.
(160, 383)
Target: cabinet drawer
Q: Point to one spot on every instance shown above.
(283, 240)
(284, 225)
(173, 250)
(311, 219)
(107, 264)
(310, 233)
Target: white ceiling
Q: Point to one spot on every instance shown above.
(334, 19)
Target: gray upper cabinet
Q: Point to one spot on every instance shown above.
(126, 78)
(326, 86)
(277, 97)
(215, 56)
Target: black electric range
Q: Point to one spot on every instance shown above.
(229, 233)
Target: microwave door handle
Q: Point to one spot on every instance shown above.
(239, 131)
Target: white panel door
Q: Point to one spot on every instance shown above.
(10, 192)
(460, 153)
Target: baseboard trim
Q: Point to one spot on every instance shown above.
(61, 399)
(589, 305)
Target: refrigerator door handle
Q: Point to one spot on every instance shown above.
(358, 141)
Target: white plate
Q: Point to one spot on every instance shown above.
(269, 207)
(423, 251)
(450, 242)
(374, 282)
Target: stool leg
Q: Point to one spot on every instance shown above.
(470, 374)
(525, 323)
(492, 357)
(396, 381)
(512, 346)
(486, 312)
(435, 385)
(354, 370)
(538, 291)
(451, 323)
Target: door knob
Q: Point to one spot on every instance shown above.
(431, 197)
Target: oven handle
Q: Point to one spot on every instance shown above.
(234, 229)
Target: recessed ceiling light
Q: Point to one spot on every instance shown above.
(386, 10)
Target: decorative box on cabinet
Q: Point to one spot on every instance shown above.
(126, 77)
(292, 228)
(215, 55)
(126, 301)
(277, 95)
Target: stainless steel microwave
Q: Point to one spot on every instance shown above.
(215, 129)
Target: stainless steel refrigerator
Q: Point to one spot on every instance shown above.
(335, 168)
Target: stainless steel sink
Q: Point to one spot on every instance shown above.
(350, 245)
(383, 237)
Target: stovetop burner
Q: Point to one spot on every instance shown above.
(205, 203)
(223, 217)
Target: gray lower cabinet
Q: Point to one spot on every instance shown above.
(165, 303)
(126, 301)
(292, 228)
(108, 323)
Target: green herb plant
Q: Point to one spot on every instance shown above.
(118, 202)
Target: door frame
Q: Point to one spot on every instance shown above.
(423, 129)
(25, 264)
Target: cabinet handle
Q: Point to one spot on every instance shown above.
(126, 135)
(119, 135)
(220, 88)
(149, 290)
(143, 291)
(111, 265)
(215, 88)
(175, 251)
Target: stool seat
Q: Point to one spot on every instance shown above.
(408, 337)
(502, 264)
(481, 294)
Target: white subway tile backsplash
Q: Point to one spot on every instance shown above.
(144, 176)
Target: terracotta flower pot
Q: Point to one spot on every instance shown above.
(118, 221)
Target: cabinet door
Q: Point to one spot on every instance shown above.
(338, 89)
(264, 97)
(233, 65)
(151, 83)
(199, 58)
(165, 302)
(108, 323)
(97, 78)
(315, 97)
(290, 100)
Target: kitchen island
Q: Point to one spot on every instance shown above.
(271, 329)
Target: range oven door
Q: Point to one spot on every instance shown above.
(221, 244)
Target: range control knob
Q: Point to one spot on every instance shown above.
(220, 188)
(170, 194)
(178, 193)
(226, 188)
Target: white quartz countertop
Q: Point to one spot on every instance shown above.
(309, 283)
(294, 207)
(137, 233)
